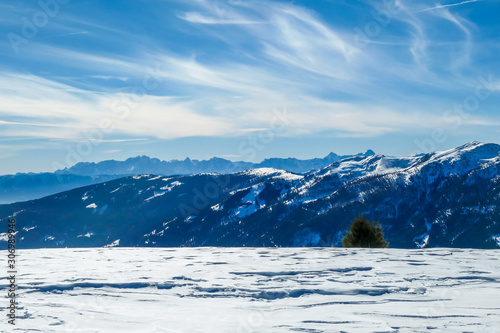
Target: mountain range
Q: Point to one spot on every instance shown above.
(146, 165)
(440, 199)
(22, 187)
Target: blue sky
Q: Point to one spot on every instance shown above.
(243, 80)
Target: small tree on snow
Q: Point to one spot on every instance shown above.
(363, 233)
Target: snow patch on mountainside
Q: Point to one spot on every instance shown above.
(140, 176)
(4, 237)
(189, 218)
(252, 194)
(155, 195)
(170, 186)
(496, 239)
(217, 207)
(117, 189)
(88, 234)
(288, 176)
(276, 173)
(244, 211)
(113, 244)
(250, 204)
(422, 240)
(356, 167)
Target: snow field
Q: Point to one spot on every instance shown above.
(256, 290)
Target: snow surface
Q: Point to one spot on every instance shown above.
(249, 204)
(155, 195)
(496, 238)
(115, 243)
(88, 234)
(276, 173)
(256, 290)
(119, 188)
(140, 176)
(217, 207)
(4, 236)
(170, 186)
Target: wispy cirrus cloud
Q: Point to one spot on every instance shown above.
(463, 57)
(446, 6)
(219, 13)
(289, 34)
(195, 17)
(71, 108)
(113, 151)
(68, 34)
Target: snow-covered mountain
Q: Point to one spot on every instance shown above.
(448, 198)
(22, 187)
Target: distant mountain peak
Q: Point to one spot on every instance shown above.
(331, 155)
(369, 152)
(474, 144)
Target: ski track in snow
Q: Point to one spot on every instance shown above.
(256, 290)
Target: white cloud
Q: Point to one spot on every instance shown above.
(53, 110)
(463, 56)
(109, 77)
(445, 6)
(288, 34)
(195, 17)
(68, 34)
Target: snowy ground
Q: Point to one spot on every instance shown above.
(256, 290)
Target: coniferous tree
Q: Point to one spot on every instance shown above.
(363, 233)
